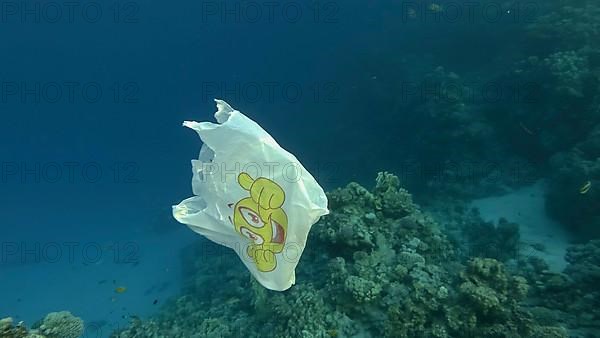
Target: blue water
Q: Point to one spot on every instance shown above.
(93, 154)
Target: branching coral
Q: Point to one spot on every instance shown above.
(484, 239)
(569, 70)
(489, 287)
(491, 306)
(61, 325)
(390, 198)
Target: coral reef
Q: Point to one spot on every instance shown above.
(9, 330)
(61, 325)
(459, 152)
(570, 298)
(584, 275)
(567, 198)
(450, 126)
(556, 80)
(567, 24)
(55, 325)
(566, 113)
(484, 239)
(471, 236)
(377, 266)
(558, 103)
(584, 265)
(568, 70)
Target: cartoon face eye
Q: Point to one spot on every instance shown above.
(251, 218)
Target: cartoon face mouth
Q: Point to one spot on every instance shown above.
(278, 233)
(256, 238)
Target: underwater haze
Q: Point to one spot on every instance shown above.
(457, 144)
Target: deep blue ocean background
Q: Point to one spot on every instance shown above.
(148, 67)
(93, 153)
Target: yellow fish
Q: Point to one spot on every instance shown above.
(585, 188)
(120, 289)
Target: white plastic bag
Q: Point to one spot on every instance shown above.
(252, 196)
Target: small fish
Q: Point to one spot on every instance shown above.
(102, 281)
(154, 302)
(527, 130)
(585, 188)
(120, 289)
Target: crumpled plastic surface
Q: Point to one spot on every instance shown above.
(252, 196)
